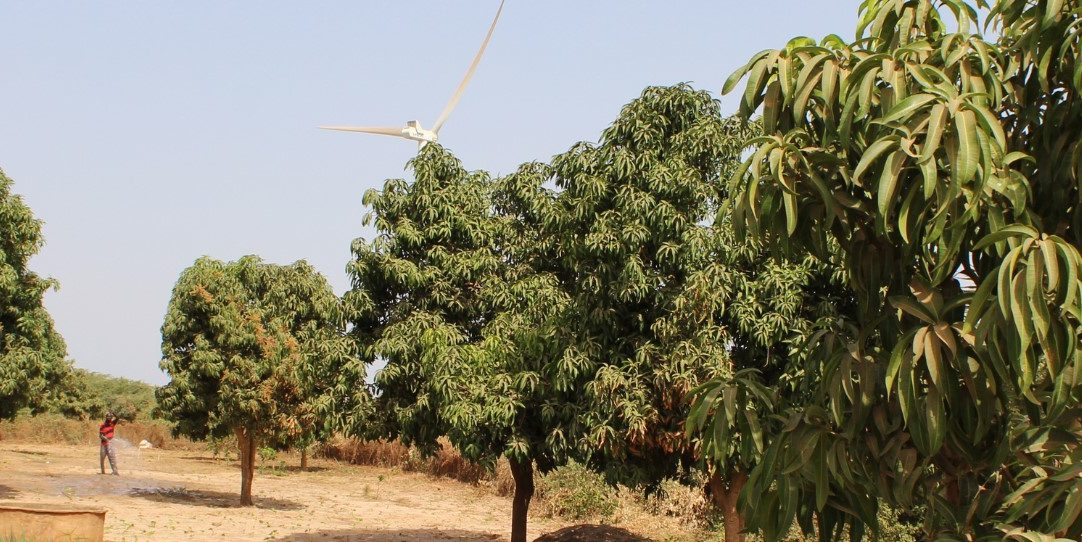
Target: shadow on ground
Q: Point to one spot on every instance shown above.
(30, 452)
(265, 466)
(592, 533)
(7, 492)
(207, 459)
(291, 468)
(577, 533)
(378, 535)
(212, 499)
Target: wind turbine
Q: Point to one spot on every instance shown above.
(413, 129)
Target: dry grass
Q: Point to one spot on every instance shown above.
(502, 481)
(446, 463)
(56, 429)
(375, 453)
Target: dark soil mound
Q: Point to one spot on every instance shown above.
(592, 533)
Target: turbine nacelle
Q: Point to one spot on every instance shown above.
(414, 131)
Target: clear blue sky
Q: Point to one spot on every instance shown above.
(147, 134)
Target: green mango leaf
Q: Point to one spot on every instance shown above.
(965, 161)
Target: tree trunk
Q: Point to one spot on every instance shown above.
(522, 472)
(304, 458)
(954, 493)
(724, 492)
(246, 443)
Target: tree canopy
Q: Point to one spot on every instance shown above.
(416, 287)
(33, 367)
(630, 227)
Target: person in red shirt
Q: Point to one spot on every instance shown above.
(106, 432)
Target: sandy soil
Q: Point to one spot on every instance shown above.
(184, 495)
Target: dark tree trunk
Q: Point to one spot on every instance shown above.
(954, 493)
(522, 472)
(246, 443)
(724, 493)
(304, 458)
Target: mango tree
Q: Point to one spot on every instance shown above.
(446, 295)
(626, 223)
(664, 297)
(239, 342)
(33, 368)
(765, 308)
(416, 286)
(943, 166)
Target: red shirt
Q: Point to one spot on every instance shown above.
(106, 431)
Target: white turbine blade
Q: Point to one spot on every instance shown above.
(469, 74)
(381, 130)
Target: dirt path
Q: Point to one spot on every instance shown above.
(183, 495)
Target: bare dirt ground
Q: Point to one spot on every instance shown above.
(186, 495)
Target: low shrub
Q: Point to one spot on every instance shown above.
(448, 463)
(686, 502)
(575, 492)
(897, 526)
(266, 453)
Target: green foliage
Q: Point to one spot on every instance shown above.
(573, 491)
(33, 370)
(449, 296)
(631, 250)
(938, 170)
(664, 296)
(266, 453)
(256, 346)
(416, 296)
(895, 526)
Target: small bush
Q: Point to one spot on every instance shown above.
(675, 499)
(448, 463)
(575, 492)
(267, 453)
(895, 526)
